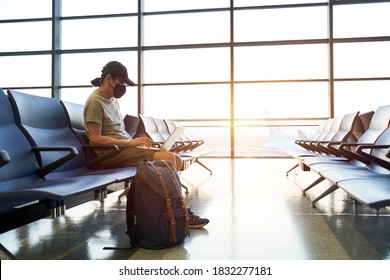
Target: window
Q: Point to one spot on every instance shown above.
(19, 9)
(187, 28)
(99, 33)
(80, 69)
(280, 24)
(22, 36)
(358, 60)
(97, 7)
(240, 3)
(361, 20)
(278, 79)
(188, 102)
(171, 5)
(281, 100)
(25, 71)
(187, 65)
(361, 95)
(281, 62)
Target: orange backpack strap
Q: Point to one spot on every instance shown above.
(178, 187)
(167, 201)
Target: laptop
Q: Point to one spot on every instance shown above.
(171, 140)
(168, 144)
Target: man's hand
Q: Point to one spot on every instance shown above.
(142, 142)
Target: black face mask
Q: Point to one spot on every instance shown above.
(119, 91)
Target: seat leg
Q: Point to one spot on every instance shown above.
(204, 166)
(292, 168)
(125, 191)
(325, 193)
(319, 180)
(63, 209)
(184, 187)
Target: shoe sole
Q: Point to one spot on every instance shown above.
(198, 226)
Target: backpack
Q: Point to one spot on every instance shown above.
(155, 212)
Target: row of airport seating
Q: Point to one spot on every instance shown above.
(145, 126)
(160, 129)
(352, 152)
(43, 165)
(46, 161)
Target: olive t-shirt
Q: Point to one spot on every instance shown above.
(105, 112)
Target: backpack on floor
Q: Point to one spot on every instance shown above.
(156, 215)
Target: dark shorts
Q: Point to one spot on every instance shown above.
(129, 156)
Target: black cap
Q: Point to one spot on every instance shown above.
(117, 70)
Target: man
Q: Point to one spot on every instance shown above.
(104, 125)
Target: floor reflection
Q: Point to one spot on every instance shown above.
(255, 212)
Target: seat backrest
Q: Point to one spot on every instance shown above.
(20, 170)
(131, 124)
(334, 128)
(320, 129)
(379, 122)
(326, 130)
(150, 128)
(362, 123)
(45, 124)
(75, 116)
(162, 128)
(383, 139)
(171, 125)
(346, 128)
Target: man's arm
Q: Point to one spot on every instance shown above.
(96, 138)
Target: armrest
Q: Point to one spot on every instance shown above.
(332, 147)
(103, 147)
(4, 158)
(353, 155)
(91, 163)
(322, 146)
(181, 146)
(43, 171)
(369, 156)
(304, 144)
(196, 143)
(313, 145)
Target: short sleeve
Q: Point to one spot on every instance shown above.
(93, 112)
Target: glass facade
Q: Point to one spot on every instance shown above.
(242, 75)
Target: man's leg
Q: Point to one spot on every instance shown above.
(173, 158)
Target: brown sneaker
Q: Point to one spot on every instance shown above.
(196, 221)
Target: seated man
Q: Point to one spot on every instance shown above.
(104, 126)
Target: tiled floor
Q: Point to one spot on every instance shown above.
(255, 212)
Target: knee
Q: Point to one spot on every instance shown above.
(173, 158)
(178, 162)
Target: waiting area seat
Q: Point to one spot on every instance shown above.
(43, 167)
(330, 132)
(75, 114)
(342, 162)
(188, 149)
(45, 123)
(25, 179)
